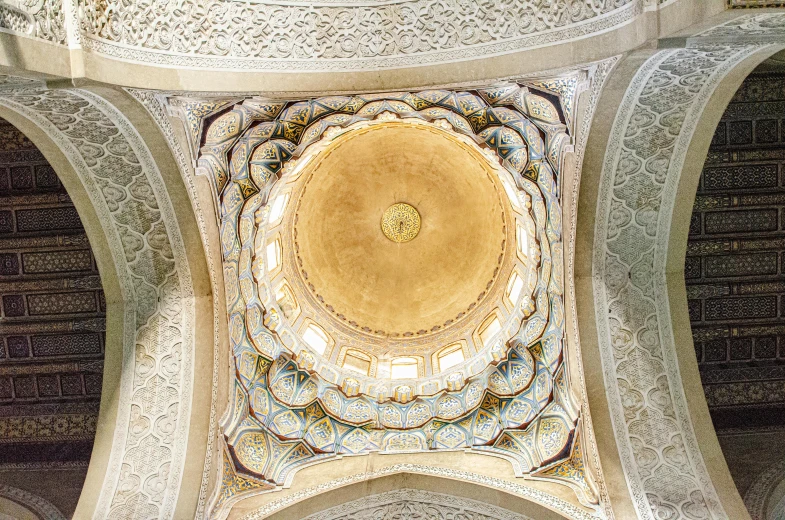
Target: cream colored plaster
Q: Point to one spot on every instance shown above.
(324, 485)
(710, 453)
(611, 97)
(201, 198)
(381, 284)
(454, 488)
(180, 196)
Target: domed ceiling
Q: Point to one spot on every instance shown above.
(394, 276)
(397, 242)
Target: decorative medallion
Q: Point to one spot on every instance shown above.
(401, 222)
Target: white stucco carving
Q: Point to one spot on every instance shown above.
(529, 493)
(127, 192)
(337, 35)
(415, 503)
(664, 468)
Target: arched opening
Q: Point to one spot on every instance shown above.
(650, 138)
(736, 284)
(161, 335)
(53, 329)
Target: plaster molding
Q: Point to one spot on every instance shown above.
(393, 505)
(599, 75)
(663, 465)
(540, 497)
(338, 36)
(43, 508)
(42, 20)
(155, 106)
(128, 194)
(745, 30)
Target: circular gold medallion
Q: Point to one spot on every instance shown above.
(400, 222)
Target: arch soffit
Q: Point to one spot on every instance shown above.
(637, 235)
(137, 463)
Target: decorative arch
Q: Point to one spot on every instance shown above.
(765, 499)
(395, 504)
(636, 215)
(148, 256)
(21, 503)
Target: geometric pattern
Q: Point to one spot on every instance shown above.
(283, 416)
(127, 193)
(734, 271)
(647, 147)
(414, 503)
(330, 36)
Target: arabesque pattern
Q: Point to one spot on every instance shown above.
(126, 189)
(284, 415)
(643, 164)
(336, 34)
(415, 503)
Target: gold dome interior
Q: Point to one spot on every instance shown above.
(387, 287)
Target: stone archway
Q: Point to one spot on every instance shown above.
(154, 273)
(24, 505)
(635, 215)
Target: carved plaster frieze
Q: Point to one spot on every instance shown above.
(35, 504)
(44, 20)
(759, 28)
(340, 35)
(411, 503)
(128, 194)
(647, 147)
(155, 105)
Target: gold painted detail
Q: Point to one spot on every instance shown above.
(401, 222)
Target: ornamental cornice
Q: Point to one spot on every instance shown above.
(341, 35)
(326, 37)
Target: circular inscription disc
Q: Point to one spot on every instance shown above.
(400, 222)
